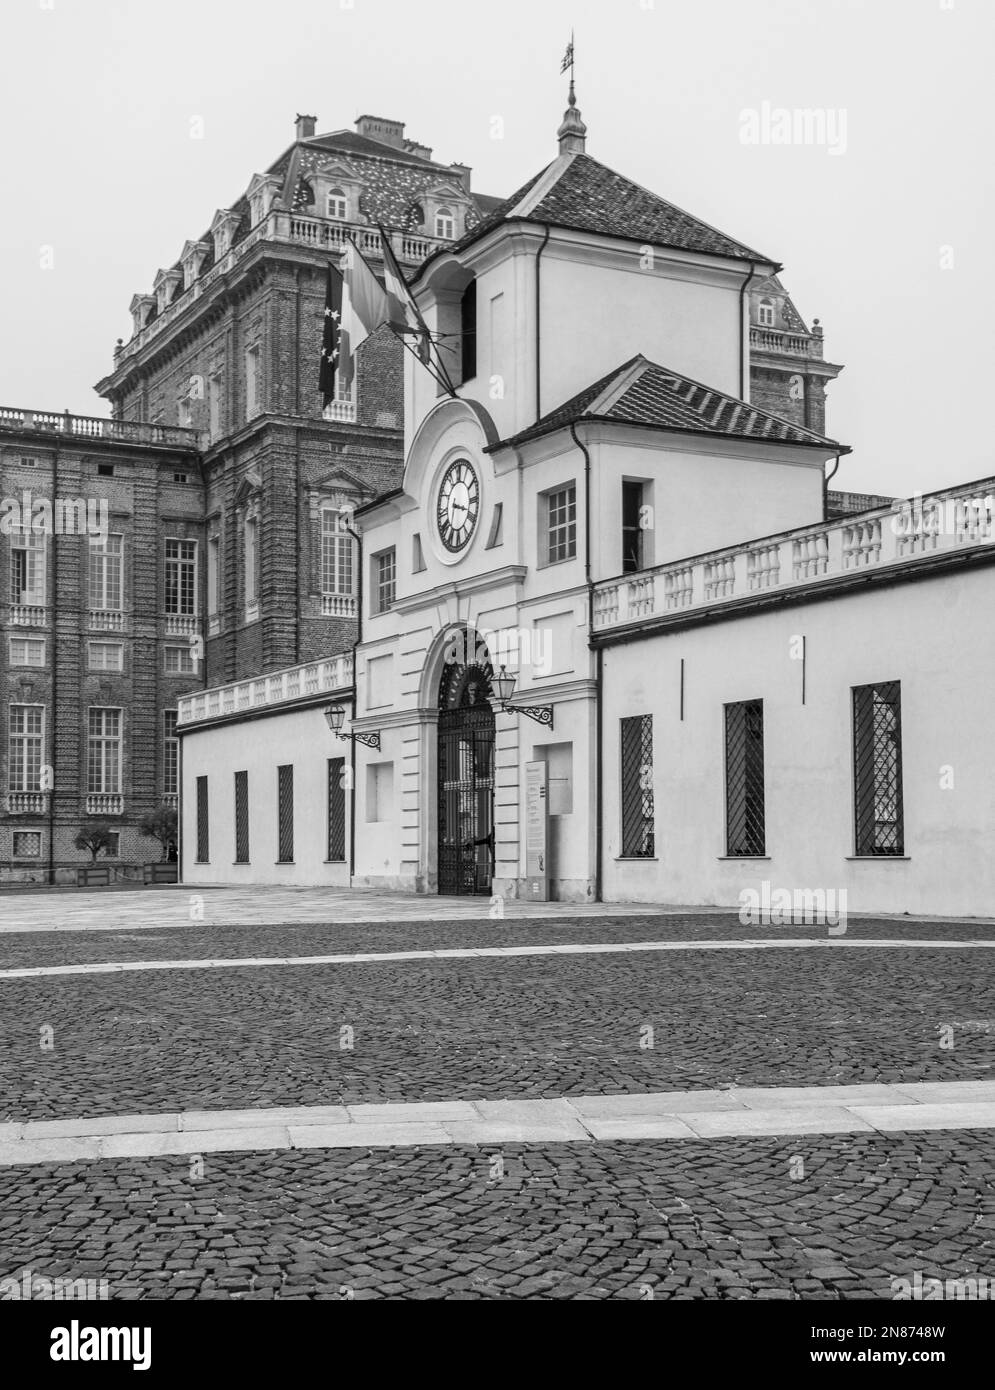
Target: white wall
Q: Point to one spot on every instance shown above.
(301, 738)
(929, 635)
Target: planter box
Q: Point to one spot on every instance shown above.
(160, 873)
(94, 876)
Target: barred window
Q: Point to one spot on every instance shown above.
(103, 751)
(877, 769)
(386, 575)
(26, 730)
(203, 825)
(337, 550)
(106, 574)
(170, 754)
(561, 524)
(285, 813)
(745, 815)
(27, 844)
(336, 810)
(181, 577)
(27, 567)
(638, 837)
(241, 818)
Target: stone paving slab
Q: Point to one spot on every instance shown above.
(912, 1117)
(793, 1119)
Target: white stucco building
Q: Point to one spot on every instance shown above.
(714, 687)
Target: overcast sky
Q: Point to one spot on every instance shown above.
(100, 98)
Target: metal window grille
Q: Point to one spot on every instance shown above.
(170, 754)
(336, 810)
(877, 769)
(103, 751)
(106, 574)
(203, 831)
(26, 737)
(285, 813)
(561, 518)
(27, 844)
(241, 818)
(386, 580)
(638, 835)
(181, 577)
(336, 555)
(745, 816)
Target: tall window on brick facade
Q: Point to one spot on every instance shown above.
(336, 810)
(285, 813)
(560, 523)
(103, 751)
(241, 818)
(203, 823)
(107, 574)
(170, 754)
(877, 769)
(26, 739)
(385, 578)
(181, 577)
(250, 558)
(632, 528)
(638, 837)
(253, 383)
(338, 568)
(745, 812)
(27, 568)
(213, 573)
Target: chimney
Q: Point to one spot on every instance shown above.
(462, 172)
(305, 126)
(572, 134)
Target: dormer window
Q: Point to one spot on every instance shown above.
(337, 205)
(765, 313)
(445, 224)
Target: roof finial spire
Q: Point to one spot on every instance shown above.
(573, 132)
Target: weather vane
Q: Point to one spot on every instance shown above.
(568, 61)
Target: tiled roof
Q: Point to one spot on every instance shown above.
(588, 196)
(642, 393)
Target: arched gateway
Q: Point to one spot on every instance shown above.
(466, 774)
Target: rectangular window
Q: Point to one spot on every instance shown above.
(250, 559)
(106, 574)
(105, 656)
(27, 651)
(241, 818)
(203, 830)
(285, 813)
(252, 383)
(336, 810)
(877, 769)
(468, 332)
(213, 572)
(336, 555)
(561, 524)
(27, 844)
(27, 568)
(113, 850)
(385, 575)
(26, 730)
(179, 661)
(103, 751)
(638, 838)
(181, 577)
(632, 530)
(170, 754)
(745, 814)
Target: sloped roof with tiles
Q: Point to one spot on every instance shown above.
(643, 393)
(585, 195)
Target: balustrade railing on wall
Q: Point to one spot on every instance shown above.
(277, 688)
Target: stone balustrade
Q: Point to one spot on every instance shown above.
(86, 427)
(332, 676)
(949, 521)
(792, 344)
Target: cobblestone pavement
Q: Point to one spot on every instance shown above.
(810, 1217)
(692, 1220)
(469, 1028)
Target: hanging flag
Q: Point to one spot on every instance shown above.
(331, 341)
(364, 306)
(568, 59)
(403, 313)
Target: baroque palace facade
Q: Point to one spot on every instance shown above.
(617, 639)
(225, 580)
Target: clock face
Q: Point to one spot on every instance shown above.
(459, 505)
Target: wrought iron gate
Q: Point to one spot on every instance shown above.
(466, 782)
